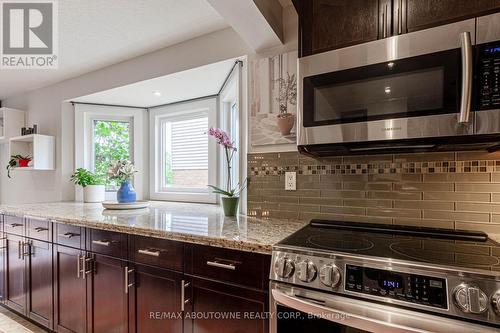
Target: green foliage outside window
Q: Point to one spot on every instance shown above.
(111, 143)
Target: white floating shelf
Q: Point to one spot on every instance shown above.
(40, 147)
(11, 122)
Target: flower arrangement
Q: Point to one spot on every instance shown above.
(225, 141)
(287, 92)
(121, 170)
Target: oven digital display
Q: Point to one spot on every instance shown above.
(420, 289)
(492, 50)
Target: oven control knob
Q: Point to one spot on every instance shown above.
(306, 270)
(330, 275)
(284, 267)
(470, 299)
(495, 302)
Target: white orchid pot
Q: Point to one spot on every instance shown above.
(94, 193)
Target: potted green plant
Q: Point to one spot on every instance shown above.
(230, 196)
(93, 185)
(18, 161)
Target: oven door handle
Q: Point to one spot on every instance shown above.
(337, 316)
(367, 316)
(465, 99)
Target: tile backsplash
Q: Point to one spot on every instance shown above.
(453, 190)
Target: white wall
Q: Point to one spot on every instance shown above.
(46, 108)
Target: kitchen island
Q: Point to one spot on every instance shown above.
(171, 267)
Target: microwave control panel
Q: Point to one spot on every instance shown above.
(488, 76)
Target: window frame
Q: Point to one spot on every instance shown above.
(85, 114)
(157, 117)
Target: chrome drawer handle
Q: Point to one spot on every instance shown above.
(221, 265)
(68, 235)
(149, 252)
(40, 229)
(14, 225)
(100, 242)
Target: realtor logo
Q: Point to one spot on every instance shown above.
(28, 34)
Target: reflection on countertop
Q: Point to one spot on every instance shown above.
(189, 222)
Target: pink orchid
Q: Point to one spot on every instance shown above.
(221, 137)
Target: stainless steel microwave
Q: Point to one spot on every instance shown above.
(431, 90)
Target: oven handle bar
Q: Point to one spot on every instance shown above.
(337, 316)
(366, 316)
(465, 100)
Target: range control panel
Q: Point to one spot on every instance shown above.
(420, 289)
(488, 76)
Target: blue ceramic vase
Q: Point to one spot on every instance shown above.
(126, 193)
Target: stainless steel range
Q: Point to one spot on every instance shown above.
(354, 277)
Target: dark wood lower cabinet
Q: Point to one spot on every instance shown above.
(107, 294)
(40, 282)
(15, 297)
(208, 299)
(70, 313)
(3, 273)
(156, 301)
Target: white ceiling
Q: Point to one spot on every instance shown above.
(193, 83)
(97, 33)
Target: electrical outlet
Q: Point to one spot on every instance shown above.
(290, 181)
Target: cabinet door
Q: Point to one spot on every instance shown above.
(109, 310)
(16, 274)
(155, 305)
(330, 24)
(3, 272)
(70, 290)
(40, 281)
(421, 14)
(248, 305)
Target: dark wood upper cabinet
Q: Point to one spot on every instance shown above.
(331, 24)
(422, 14)
(39, 283)
(327, 24)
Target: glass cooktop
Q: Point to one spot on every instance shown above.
(458, 248)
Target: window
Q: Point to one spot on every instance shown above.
(107, 133)
(111, 142)
(184, 157)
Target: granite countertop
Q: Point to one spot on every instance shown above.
(188, 222)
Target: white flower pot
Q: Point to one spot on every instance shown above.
(94, 193)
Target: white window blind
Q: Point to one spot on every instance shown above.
(189, 143)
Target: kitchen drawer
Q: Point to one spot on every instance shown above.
(69, 235)
(156, 252)
(233, 266)
(40, 229)
(109, 243)
(14, 225)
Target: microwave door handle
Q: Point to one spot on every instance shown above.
(465, 100)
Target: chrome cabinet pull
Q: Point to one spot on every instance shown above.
(400, 17)
(15, 225)
(184, 301)
(216, 263)
(465, 100)
(40, 229)
(127, 284)
(78, 266)
(26, 253)
(101, 242)
(19, 250)
(86, 271)
(68, 235)
(149, 252)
